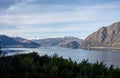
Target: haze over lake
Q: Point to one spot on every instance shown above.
(108, 57)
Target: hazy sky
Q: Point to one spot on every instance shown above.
(55, 18)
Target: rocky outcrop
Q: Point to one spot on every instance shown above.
(106, 37)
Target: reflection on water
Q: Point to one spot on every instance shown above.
(108, 57)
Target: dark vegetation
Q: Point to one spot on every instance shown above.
(34, 66)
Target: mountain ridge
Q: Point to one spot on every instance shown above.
(18, 42)
(106, 36)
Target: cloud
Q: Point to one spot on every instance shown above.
(79, 30)
(43, 16)
(39, 14)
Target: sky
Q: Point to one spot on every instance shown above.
(35, 19)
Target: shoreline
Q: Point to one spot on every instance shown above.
(103, 48)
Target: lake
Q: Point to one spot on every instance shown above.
(108, 57)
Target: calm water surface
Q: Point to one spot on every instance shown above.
(108, 57)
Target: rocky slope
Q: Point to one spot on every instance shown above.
(70, 44)
(62, 42)
(105, 37)
(6, 41)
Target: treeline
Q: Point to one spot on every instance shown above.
(34, 66)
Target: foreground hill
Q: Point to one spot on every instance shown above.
(6, 41)
(105, 37)
(61, 41)
(35, 66)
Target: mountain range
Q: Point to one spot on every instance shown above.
(18, 42)
(107, 36)
(68, 42)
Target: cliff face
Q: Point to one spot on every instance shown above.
(106, 36)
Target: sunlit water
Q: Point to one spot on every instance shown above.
(108, 57)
